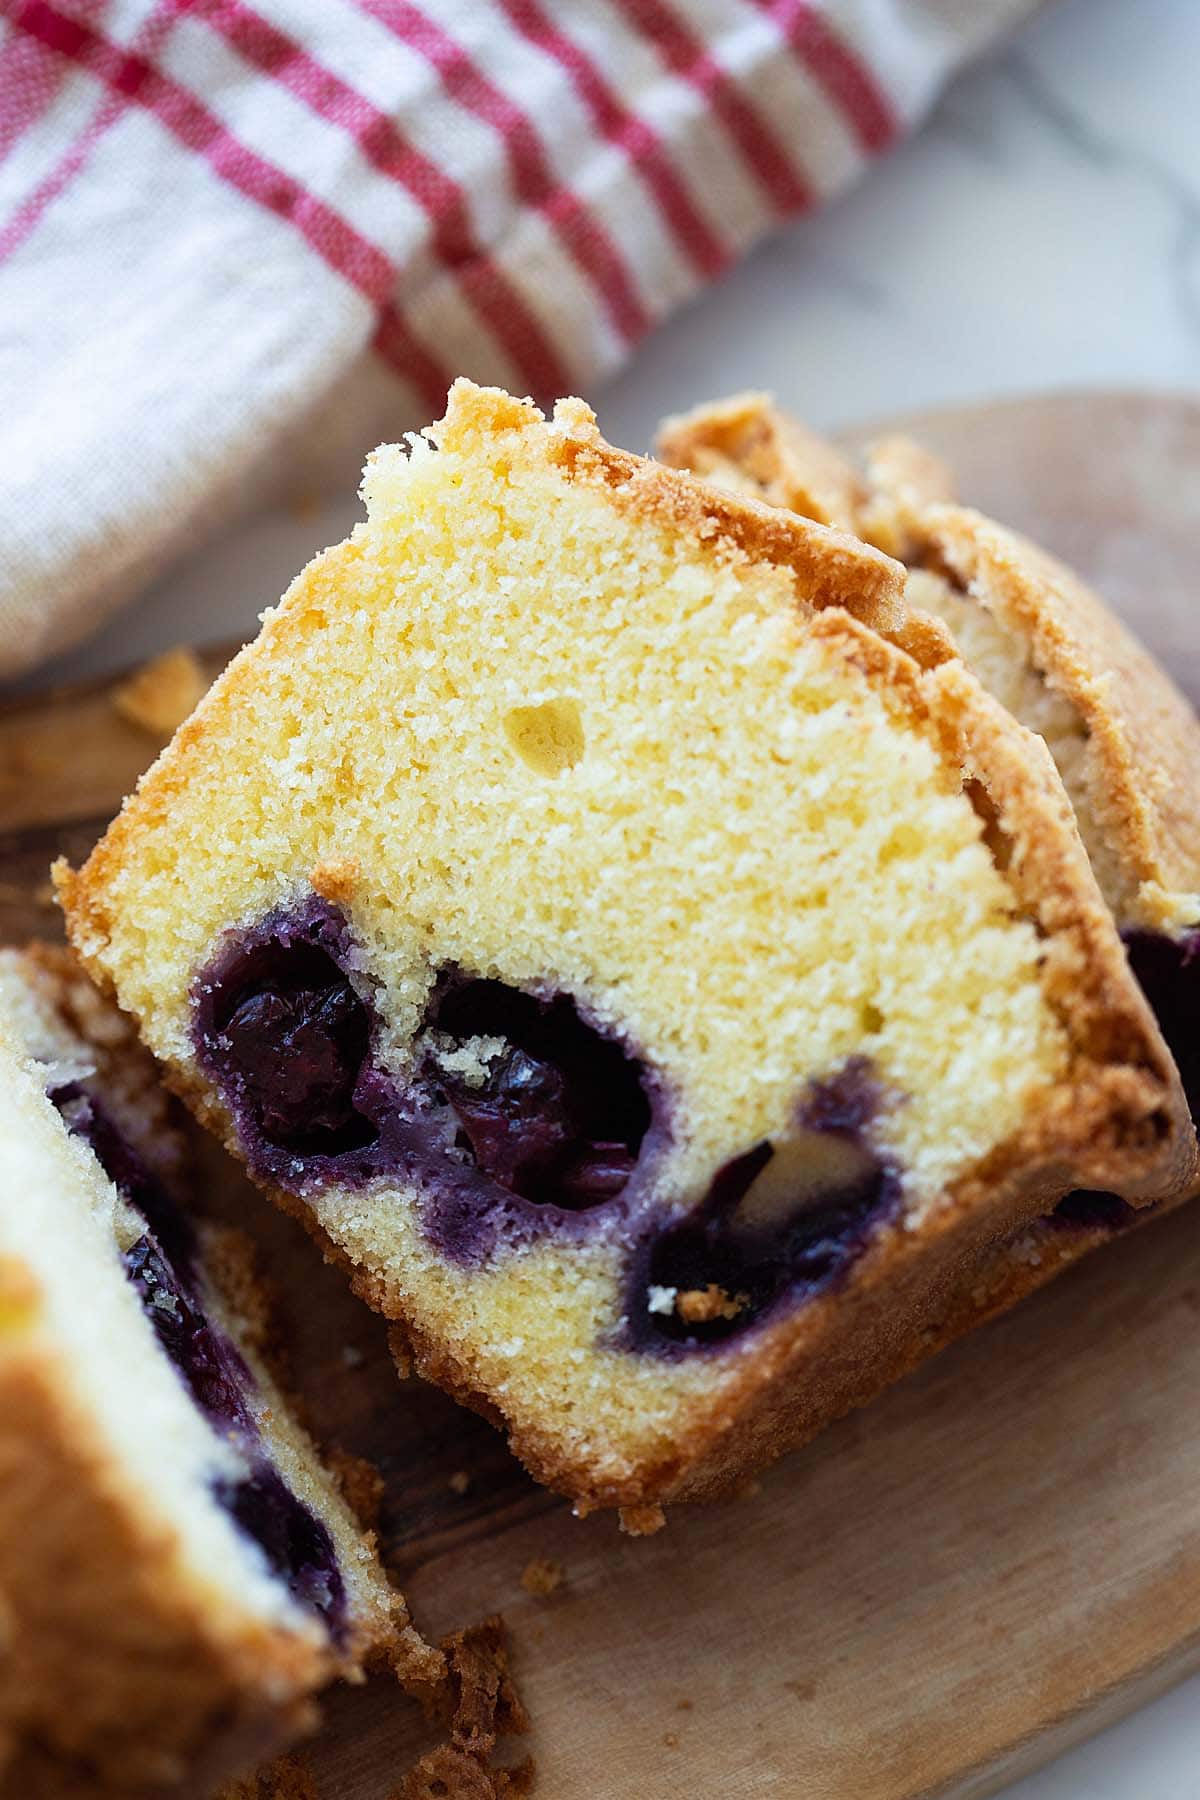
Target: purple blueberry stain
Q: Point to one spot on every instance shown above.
(160, 1266)
(780, 1223)
(519, 1118)
(212, 1368)
(296, 1544)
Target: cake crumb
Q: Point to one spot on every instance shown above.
(459, 1482)
(352, 1357)
(683, 1706)
(335, 878)
(285, 1779)
(361, 1484)
(449, 1774)
(400, 1353)
(484, 1706)
(542, 1576)
(697, 1306)
(159, 696)
(671, 1740)
(641, 1521)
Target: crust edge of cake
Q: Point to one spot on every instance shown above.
(1144, 736)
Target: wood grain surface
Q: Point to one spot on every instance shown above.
(993, 1560)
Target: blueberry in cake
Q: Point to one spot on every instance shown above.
(652, 983)
(178, 1574)
(1124, 739)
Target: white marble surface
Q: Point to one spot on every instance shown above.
(1042, 231)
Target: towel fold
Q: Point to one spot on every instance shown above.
(237, 235)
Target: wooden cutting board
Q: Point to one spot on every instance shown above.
(992, 1561)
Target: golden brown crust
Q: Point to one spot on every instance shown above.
(1120, 1122)
(903, 480)
(788, 465)
(1144, 737)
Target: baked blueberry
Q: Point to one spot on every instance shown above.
(296, 1544)
(559, 1114)
(280, 1020)
(780, 1220)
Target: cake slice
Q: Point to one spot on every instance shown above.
(654, 985)
(178, 1573)
(1124, 739)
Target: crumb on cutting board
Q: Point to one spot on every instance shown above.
(158, 697)
(542, 1576)
(641, 1521)
(459, 1482)
(484, 1706)
(285, 1779)
(361, 1483)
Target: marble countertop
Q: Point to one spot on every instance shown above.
(1042, 231)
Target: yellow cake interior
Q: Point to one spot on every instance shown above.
(520, 725)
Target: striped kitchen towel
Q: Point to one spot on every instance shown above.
(231, 229)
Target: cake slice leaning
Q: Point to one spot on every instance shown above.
(178, 1573)
(656, 987)
(1125, 741)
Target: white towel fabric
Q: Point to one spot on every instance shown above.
(231, 230)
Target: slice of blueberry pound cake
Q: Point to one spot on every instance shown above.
(178, 1574)
(653, 984)
(1124, 739)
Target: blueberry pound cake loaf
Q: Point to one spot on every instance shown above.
(654, 984)
(178, 1574)
(1125, 741)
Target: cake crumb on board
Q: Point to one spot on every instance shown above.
(484, 1706)
(542, 1575)
(159, 696)
(284, 1779)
